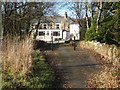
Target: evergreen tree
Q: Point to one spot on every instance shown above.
(108, 27)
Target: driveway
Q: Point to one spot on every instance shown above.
(76, 66)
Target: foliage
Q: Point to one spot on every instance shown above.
(40, 76)
(62, 44)
(90, 33)
(38, 56)
(108, 30)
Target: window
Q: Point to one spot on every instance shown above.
(45, 26)
(40, 26)
(51, 26)
(42, 33)
(33, 27)
(56, 33)
(47, 33)
(51, 33)
(57, 26)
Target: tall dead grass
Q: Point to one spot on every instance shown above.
(17, 55)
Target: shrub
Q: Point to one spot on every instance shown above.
(103, 35)
(91, 33)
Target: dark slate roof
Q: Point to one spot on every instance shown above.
(50, 19)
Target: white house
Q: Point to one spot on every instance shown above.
(55, 28)
(49, 34)
(74, 31)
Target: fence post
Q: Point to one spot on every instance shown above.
(74, 43)
(52, 43)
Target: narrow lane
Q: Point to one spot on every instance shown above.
(76, 66)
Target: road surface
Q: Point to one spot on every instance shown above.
(75, 66)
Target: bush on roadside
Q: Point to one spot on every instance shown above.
(90, 33)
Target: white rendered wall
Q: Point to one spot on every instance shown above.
(74, 31)
(64, 35)
(48, 37)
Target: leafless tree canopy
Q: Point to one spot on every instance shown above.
(17, 15)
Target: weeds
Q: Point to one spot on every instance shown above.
(23, 67)
(17, 55)
(107, 78)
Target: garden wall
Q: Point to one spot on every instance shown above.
(110, 52)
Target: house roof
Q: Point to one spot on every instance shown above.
(74, 23)
(54, 19)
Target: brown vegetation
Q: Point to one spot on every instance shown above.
(109, 57)
(17, 55)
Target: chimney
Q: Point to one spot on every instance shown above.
(65, 16)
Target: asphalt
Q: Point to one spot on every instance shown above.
(76, 66)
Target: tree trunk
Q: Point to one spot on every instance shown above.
(99, 14)
(1, 31)
(37, 27)
(80, 30)
(91, 13)
(87, 23)
(80, 33)
(1, 37)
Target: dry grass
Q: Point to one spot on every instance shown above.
(17, 55)
(23, 67)
(107, 78)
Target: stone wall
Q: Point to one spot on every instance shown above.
(110, 52)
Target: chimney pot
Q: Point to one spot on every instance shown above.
(65, 14)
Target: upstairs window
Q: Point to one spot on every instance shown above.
(57, 26)
(33, 27)
(45, 26)
(51, 26)
(40, 26)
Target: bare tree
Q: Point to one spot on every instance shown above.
(91, 13)
(1, 36)
(77, 10)
(1, 32)
(99, 15)
(95, 9)
(17, 15)
(86, 15)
